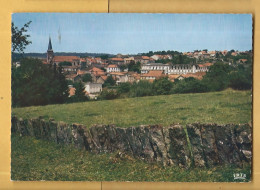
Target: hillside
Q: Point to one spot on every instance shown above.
(216, 107)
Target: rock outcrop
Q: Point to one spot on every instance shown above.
(198, 145)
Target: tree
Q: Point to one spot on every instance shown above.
(109, 82)
(180, 59)
(19, 38)
(135, 67)
(108, 94)
(87, 78)
(34, 83)
(162, 86)
(104, 56)
(142, 88)
(79, 92)
(217, 78)
(124, 87)
(189, 85)
(241, 79)
(65, 63)
(122, 67)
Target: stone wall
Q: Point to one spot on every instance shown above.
(207, 145)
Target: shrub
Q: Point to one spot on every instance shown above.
(108, 94)
(124, 87)
(142, 88)
(162, 86)
(189, 85)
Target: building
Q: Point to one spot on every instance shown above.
(71, 61)
(182, 69)
(122, 77)
(155, 67)
(112, 68)
(152, 75)
(155, 57)
(50, 53)
(101, 79)
(145, 60)
(116, 60)
(93, 88)
(128, 60)
(96, 73)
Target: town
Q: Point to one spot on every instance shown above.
(131, 97)
(94, 71)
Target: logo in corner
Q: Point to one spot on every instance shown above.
(239, 176)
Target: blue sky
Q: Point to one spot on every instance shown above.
(136, 33)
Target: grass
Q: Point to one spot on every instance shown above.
(33, 159)
(223, 107)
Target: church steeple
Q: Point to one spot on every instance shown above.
(49, 46)
(50, 54)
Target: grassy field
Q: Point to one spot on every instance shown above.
(228, 106)
(34, 159)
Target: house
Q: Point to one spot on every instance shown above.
(234, 53)
(72, 90)
(212, 53)
(116, 60)
(128, 60)
(151, 60)
(152, 75)
(132, 76)
(93, 88)
(173, 77)
(17, 64)
(101, 79)
(165, 57)
(155, 57)
(112, 68)
(145, 60)
(242, 60)
(97, 71)
(120, 77)
(83, 63)
(205, 54)
(198, 75)
(224, 52)
(70, 77)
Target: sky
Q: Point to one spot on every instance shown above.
(132, 33)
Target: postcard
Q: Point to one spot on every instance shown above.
(131, 97)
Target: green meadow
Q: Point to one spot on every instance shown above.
(223, 107)
(34, 159)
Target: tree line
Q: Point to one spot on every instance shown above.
(219, 77)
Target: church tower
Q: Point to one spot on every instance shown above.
(50, 54)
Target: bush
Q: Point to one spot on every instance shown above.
(189, 85)
(109, 82)
(217, 78)
(241, 79)
(108, 94)
(124, 87)
(162, 86)
(142, 88)
(87, 78)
